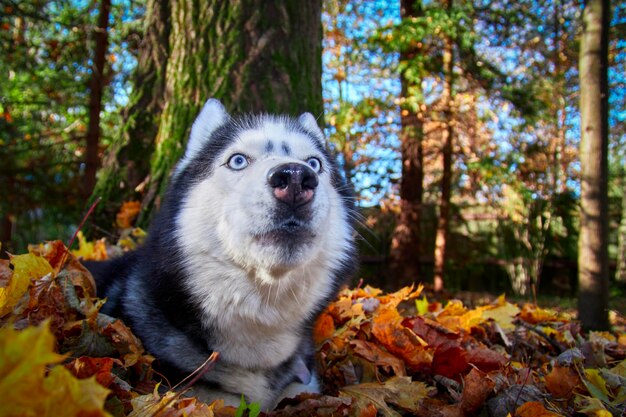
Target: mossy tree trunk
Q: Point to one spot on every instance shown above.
(253, 55)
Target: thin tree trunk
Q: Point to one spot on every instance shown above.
(406, 248)
(593, 270)
(6, 234)
(620, 273)
(443, 227)
(92, 160)
(559, 180)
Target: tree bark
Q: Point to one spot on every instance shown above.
(101, 37)
(255, 56)
(406, 248)
(593, 261)
(620, 272)
(441, 238)
(127, 161)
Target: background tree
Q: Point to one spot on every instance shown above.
(406, 248)
(593, 262)
(45, 62)
(96, 87)
(254, 56)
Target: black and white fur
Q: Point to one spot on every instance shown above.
(252, 241)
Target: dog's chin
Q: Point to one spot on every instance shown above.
(287, 245)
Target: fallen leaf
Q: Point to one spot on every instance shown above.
(324, 328)
(378, 356)
(534, 409)
(33, 390)
(127, 214)
(5, 272)
(388, 329)
(561, 381)
(399, 391)
(25, 267)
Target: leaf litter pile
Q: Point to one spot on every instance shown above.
(379, 354)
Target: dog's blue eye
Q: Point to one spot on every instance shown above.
(314, 163)
(238, 161)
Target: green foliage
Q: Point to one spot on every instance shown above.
(249, 410)
(45, 57)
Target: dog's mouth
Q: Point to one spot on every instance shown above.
(291, 225)
(289, 231)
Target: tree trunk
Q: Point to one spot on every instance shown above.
(441, 238)
(620, 272)
(96, 86)
(255, 56)
(406, 248)
(127, 161)
(593, 270)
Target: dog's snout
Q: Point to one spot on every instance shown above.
(293, 183)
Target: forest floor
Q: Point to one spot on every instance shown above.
(379, 354)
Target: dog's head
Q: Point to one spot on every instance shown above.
(262, 191)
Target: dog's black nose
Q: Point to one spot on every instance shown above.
(293, 183)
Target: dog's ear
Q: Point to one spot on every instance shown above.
(212, 116)
(307, 120)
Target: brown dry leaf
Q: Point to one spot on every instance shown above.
(5, 272)
(124, 341)
(485, 359)
(388, 329)
(314, 404)
(85, 367)
(534, 409)
(399, 391)
(477, 388)
(562, 381)
(54, 251)
(378, 356)
(169, 405)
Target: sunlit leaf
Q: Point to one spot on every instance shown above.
(33, 391)
(25, 268)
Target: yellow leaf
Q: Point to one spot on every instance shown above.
(591, 406)
(620, 369)
(594, 378)
(91, 251)
(421, 305)
(504, 315)
(400, 391)
(33, 391)
(25, 267)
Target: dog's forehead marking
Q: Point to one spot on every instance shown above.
(272, 137)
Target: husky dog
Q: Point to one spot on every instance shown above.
(252, 241)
